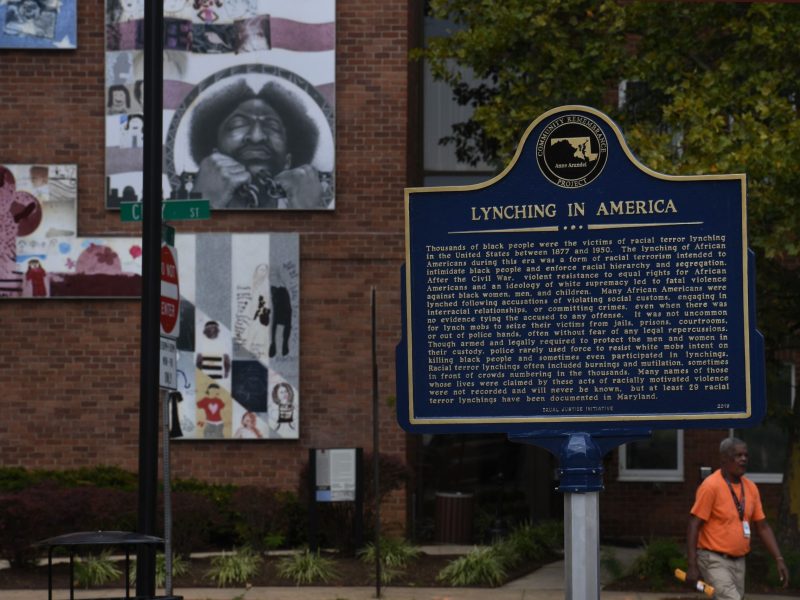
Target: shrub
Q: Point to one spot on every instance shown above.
(24, 520)
(19, 478)
(234, 567)
(109, 509)
(551, 535)
(520, 546)
(660, 559)
(306, 567)
(482, 566)
(219, 493)
(612, 564)
(207, 505)
(47, 509)
(14, 478)
(263, 518)
(196, 520)
(496, 509)
(396, 554)
(101, 476)
(180, 566)
(528, 542)
(95, 569)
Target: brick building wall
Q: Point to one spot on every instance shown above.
(70, 377)
(70, 381)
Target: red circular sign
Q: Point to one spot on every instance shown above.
(170, 295)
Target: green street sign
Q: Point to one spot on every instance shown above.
(171, 210)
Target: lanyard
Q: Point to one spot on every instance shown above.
(739, 505)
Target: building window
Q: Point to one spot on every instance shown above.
(766, 444)
(440, 111)
(659, 458)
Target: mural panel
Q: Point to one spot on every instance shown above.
(38, 24)
(42, 255)
(238, 348)
(248, 103)
(238, 360)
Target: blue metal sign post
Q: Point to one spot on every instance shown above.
(577, 301)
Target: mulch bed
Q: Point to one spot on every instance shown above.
(350, 572)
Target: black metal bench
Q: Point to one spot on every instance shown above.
(71, 541)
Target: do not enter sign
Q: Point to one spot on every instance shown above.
(170, 295)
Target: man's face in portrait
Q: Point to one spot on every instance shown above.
(255, 136)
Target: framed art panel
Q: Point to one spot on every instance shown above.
(238, 348)
(248, 103)
(42, 254)
(38, 24)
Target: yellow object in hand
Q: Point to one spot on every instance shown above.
(702, 586)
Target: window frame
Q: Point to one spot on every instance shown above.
(653, 475)
(766, 476)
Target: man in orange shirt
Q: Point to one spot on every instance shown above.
(726, 507)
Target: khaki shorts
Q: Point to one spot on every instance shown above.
(724, 573)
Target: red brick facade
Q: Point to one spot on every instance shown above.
(70, 380)
(70, 377)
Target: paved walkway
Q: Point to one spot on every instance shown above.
(546, 583)
(368, 593)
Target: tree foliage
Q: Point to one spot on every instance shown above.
(711, 88)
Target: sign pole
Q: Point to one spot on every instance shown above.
(167, 491)
(580, 456)
(582, 545)
(151, 267)
(376, 447)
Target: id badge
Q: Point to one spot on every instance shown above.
(746, 527)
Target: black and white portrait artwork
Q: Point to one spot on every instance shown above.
(254, 137)
(249, 102)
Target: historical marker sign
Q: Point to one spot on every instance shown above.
(579, 289)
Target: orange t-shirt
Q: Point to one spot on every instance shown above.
(722, 530)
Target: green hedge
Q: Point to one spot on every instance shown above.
(38, 504)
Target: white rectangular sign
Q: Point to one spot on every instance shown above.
(336, 475)
(168, 364)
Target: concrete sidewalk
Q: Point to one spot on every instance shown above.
(368, 593)
(546, 583)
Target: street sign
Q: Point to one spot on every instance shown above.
(170, 292)
(171, 210)
(168, 364)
